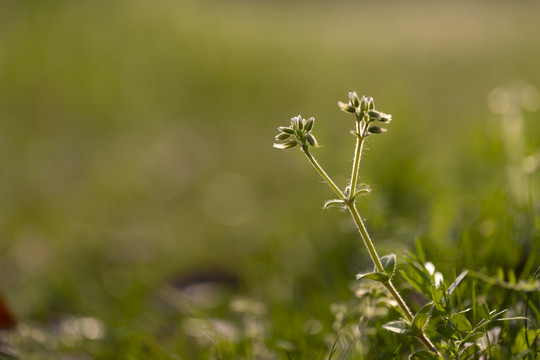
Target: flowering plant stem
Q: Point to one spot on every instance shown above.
(299, 134)
(348, 201)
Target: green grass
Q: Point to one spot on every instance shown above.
(128, 129)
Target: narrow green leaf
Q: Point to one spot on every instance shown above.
(421, 318)
(334, 347)
(456, 282)
(335, 202)
(483, 310)
(470, 352)
(460, 322)
(437, 295)
(376, 276)
(447, 332)
(389, 264)
(414, 281)
(421, 271)
(425, 355)
(420, 250)
(360, 193)
(398, 327)
(395, 355)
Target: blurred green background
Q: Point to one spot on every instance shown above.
(136, 147)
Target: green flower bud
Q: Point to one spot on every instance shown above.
(374, 114)
(376, 130)
(386, 118)
(363, 103)
(282, 136)
(371, 103)
(296, 121)
(380, 116)
(286, 130)
(353, 99)
(309, 124)
(301, 125)
(346, 107)
(311, 140)
(285, 145)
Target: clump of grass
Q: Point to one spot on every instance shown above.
(455, 332)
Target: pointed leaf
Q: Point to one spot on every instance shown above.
(470, 352)
(330, 203)
(414, 281)
(460, 322)
(360, 193)
(421, 271)
(437, 295)
(447, 332)
(421, 318)
(376, 276)
(457, 281)
(389, 264)
(398, 327)
(484, 311)
(395, 355)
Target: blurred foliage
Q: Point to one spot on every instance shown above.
(135, 143)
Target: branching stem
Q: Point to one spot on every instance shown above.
(323, 173)
(357, 156)
(349, 203)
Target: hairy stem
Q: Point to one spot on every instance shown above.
(323, 173)
(365, 236)
(363, 231)
(356, 162)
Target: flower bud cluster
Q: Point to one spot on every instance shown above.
(365, 113)
(298, 133)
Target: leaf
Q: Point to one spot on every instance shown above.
(375, 276)
(334, 347)
(457, 281)
(420, 250)
(437, 295)
(460, 322)
(425, 355)
(421, 273)
(389, 264)
(483, 310)
(398, 327)
(470, 352)
(334, 202)
(361, 192)
(418, 277)
(447, 332)
(415, 283)
(473, 336)
(421, 318)
(395, 355)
